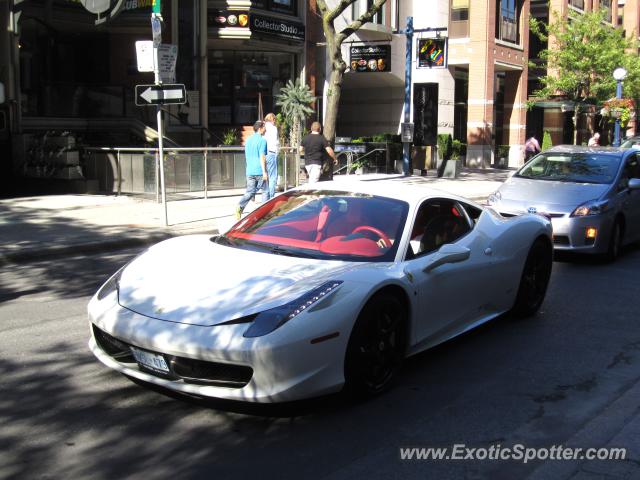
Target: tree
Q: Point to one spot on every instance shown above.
(334, 50)
(583, 52)
(294, 100)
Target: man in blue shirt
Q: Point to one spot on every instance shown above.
(255, 151)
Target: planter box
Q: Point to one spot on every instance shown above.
(449, 168)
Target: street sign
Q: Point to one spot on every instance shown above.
(96, 6)
(147, 95)
(406, 132)
(167, 57)
(144, 55)
(156, 30)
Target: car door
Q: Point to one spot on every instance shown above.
(451, 296)
(631, 198)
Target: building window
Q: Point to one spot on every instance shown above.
(508, 20)
(459, 19)
(606, 4)
(577, 4)
(387, 15)
(378, 17)
(280, 6)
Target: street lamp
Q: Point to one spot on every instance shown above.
(619, 74)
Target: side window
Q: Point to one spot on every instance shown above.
(631, 170)
(634, 166)
(438, 221)
(473, 212)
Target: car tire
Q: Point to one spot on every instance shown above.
(615, 242)
(534, 279)
(377, 346)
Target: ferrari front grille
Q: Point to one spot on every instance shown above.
(185, 369)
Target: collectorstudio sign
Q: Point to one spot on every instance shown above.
(275, 26)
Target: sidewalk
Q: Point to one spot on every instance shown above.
(48, 226)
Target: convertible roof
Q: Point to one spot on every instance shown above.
(409, 189)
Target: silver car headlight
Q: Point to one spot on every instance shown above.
(267, 321)
(494, 198)
(593, 207)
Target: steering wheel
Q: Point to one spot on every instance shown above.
(381, 235)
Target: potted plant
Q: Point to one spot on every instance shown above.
(447, 166)
(230, 137)
(622, 109)
(502, 156)
(295, 99)
(546, 141)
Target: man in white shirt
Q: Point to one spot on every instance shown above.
(273, 144)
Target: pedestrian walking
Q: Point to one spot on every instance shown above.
(531, 147)
(315, 147)
(594, 141)
(255, 151)
(273, 143)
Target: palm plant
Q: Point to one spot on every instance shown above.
(294, 100)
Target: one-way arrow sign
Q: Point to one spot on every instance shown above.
(160, 94)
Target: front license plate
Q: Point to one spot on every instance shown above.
(150, 360)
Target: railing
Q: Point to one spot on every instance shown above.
(350, 157)
(191, 172)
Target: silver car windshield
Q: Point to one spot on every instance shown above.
(572, 167)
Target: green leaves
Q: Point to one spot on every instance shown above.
(585, 50)
(295, 100)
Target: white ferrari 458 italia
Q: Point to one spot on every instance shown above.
(322, 288)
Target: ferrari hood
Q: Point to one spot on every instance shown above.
(518, 194)
(192, 280)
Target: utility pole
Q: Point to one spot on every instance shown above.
(156, 31)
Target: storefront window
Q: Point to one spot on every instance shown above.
(242, 80)
(281, 6)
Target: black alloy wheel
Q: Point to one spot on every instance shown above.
(534, 280)
(376, 347)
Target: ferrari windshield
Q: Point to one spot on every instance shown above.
(572, 167)
(323, 224)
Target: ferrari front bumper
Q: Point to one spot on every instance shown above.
(303, 358)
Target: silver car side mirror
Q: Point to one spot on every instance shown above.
(634, 184)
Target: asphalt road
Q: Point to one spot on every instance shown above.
(537, 382)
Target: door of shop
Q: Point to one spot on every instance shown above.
(425, 113)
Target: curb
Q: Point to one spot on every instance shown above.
(31, 255)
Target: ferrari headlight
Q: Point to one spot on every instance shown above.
(110, 285)
(591, 208)
(267, 321)
(113, 284)
(494, 198)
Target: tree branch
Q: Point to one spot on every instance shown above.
(364, 18)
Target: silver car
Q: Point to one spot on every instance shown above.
(591, 195)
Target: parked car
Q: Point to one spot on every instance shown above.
(320, 288)
(630, 142)
(591, 195)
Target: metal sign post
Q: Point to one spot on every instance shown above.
(406, 143)
(156, 30)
